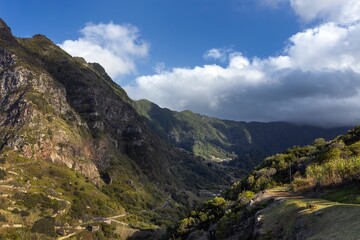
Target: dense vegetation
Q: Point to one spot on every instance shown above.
(218, 140)
(73, 149)
(323, 165)
(77, 153)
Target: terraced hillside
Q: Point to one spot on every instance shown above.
(73, 148)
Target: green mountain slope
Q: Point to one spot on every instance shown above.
(77, 153)
(73, 149)
(218, 139)
(297, 194)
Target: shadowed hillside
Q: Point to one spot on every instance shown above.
(73, 148)
(218, 140)
(297, 194)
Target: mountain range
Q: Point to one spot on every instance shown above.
(246, 143)
(77, 153)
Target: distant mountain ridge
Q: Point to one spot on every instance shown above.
(76, 150)
(218, 139)
(295, 194)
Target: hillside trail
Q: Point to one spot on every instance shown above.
(284, 193)
(79, 228)
(279, 193)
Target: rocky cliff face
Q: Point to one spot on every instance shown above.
(63, 122)
(37, 121)
(70, 112)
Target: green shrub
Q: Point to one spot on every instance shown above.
(335, 171)
(109, 230)
(2, 218)
(185, 225)
(245, 197)
(355, 149)
(2, 174)
(319, 142)
(15, 211)
(301, 184)
(45, 226)
(24, 213)
(210, 213)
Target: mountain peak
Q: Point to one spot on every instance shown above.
(41, 37)
(5, 31)
(4, 26)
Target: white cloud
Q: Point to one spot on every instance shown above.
(328, 46)
(218, 54)
(205, 86)
(341, 11)
(159, 67)
(316, 80)
(115, 47)
(215, 54)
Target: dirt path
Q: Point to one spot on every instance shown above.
(66, 208)
(283, 193)
(118, 216)
(121, 223)
(70, 235)
(277, 194)
(96, 220)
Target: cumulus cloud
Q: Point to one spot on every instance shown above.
(159, 67)
(116, 47)
(329, 46)
(216, 54)
(342, 11)
(316, 80)
(256, 91)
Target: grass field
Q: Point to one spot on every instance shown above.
(311, 219)
(346, 194)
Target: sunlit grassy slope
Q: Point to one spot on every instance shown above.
(311, 219)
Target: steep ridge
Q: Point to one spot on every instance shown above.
(75, 150)
(37, 120)
(48, 176)
(114, 124)
(218, 139)
(70, 136)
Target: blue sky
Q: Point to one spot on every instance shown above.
(252, 60)
(179, 32)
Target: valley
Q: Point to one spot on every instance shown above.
(296, 194)
(79, 159)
